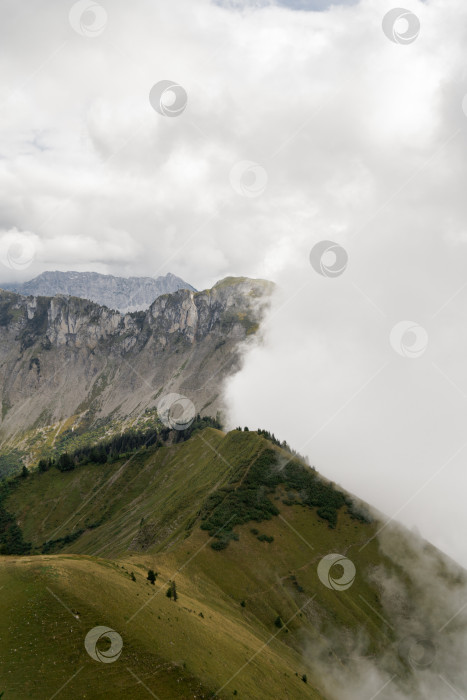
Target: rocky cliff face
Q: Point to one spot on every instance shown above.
(65, 357)
(124, 294)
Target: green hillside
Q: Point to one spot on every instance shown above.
(240, 526)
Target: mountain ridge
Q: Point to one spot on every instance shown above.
(66, 358)
(124, 294)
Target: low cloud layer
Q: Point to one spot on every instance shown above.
(421, 643)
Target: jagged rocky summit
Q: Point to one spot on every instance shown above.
(123, 294)
(63, 357)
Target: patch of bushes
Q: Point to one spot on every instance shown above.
(200, 423)
(10, 462)
(223, 540)
(246, 497)
(151, 577)
(231, 506)
(60, 542)
(11, 535)
(329, 514)
(172, 591)
(272, 438)
(265, 538)
(359, 512)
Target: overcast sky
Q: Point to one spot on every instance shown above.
(292, 127)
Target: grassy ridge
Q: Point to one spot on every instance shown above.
(147, 498)
(170, 647)
(223, 631)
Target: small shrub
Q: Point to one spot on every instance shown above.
(65, 463)
(44, 465)
(265, 538)
(329, 514)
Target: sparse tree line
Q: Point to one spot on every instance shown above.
(152, 576)
(269, 436)
(275, 441)
(123, 445)
(107, 450)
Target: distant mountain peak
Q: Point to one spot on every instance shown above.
(120, 293)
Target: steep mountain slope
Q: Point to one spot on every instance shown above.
(124, 294)
(67, 359)
(264, 615)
